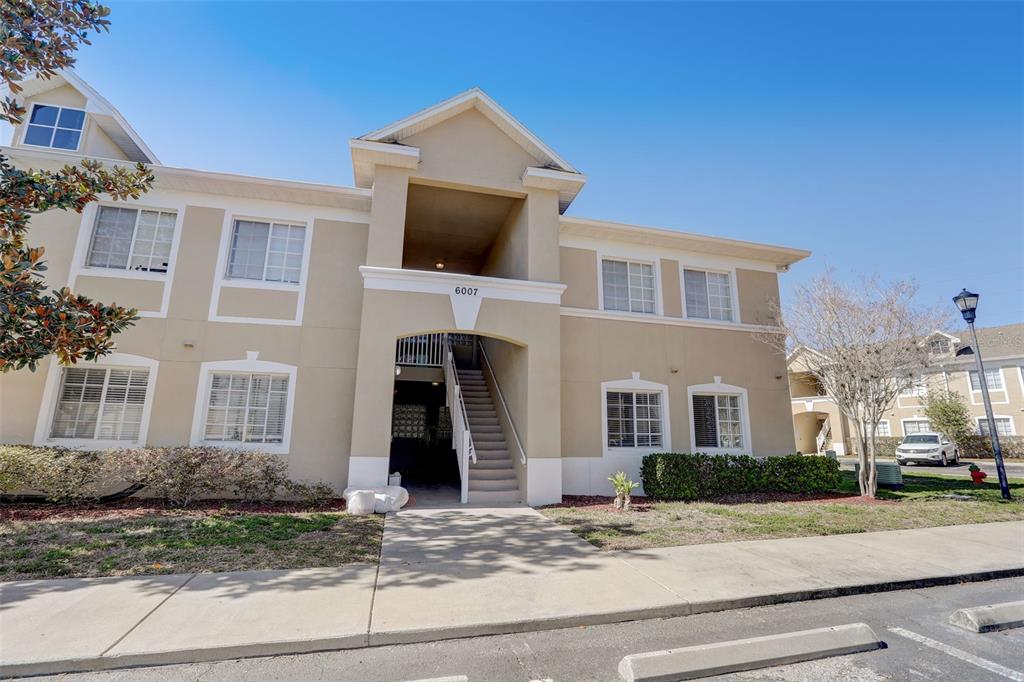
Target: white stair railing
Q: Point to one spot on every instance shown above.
(823, 434)
(422, 350)
(462, 439)
(504, 406)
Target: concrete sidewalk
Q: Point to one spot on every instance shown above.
(453, 573)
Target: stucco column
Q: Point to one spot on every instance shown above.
(387, 217)
(544, 411)
(542, 236)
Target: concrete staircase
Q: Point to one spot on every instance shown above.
(492, 478)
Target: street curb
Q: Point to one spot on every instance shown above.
(990, 618)
(706, 660)
(375, 639)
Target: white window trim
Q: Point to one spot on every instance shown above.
(28, 117)
(51, 391)
(250, 365)
(655, 264)
(979, 420)
(903, 424)
(912, 399)
(222, 281)
(718, 388)
(636, 384)
(887, 425)
(733, 292)
(993, 393)
(80, 268)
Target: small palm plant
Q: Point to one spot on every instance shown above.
(623, 490)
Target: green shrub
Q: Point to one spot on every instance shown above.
(62, 475)
(255, 476)
(684, 476)
(981, 446)
(310, 493)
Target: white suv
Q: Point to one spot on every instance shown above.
(927, 448)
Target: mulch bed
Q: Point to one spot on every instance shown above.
(135, 508)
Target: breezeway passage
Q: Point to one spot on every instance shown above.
(449, 573)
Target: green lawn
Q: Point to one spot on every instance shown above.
(925, 501)
(183, 542)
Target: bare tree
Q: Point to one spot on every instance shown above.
(864, 344)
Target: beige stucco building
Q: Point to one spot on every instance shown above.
(443, 318)
(819, 426)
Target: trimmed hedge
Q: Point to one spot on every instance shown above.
(684, 476)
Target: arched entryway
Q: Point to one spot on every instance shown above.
(455, 436)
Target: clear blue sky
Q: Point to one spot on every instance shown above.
(886, 138)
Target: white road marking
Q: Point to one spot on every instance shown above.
(959, 653)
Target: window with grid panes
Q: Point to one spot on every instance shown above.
(56, 127)
(271, 252)
(1004, 426)
(100, 403)
(993, 378)
(132, 239)
(246, 408)
(628, 286)
(634, 419)
(717, 421)
(708, 295)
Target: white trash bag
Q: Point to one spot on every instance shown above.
(375, 500)
(360, 502)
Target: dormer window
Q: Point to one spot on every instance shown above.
(938, 346)
(56, 127)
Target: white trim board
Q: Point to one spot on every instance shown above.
(221, 280)
(658, 319)
(251, 364)
(635, 383)
(719, 388)
(48, 403)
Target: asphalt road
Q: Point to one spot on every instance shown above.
(1014, 468)
(921, 646)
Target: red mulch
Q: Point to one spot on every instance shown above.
(134, 508)
(641, 504)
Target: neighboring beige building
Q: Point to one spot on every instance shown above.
(316, 321)
(819, 426)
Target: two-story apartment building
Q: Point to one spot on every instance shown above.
(443, 318)
(818, 424)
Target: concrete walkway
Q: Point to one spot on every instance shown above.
(449, 573)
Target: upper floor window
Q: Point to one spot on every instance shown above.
(132, 239)
(246, 408)
(718, 421)
(918, 388)
(57, 127)
(708, 295)
(993, 377)
(938, 346)
(634, 419)
(271, 252)
(628, 286)
(100, 403)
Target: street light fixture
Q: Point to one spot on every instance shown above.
(967, 303)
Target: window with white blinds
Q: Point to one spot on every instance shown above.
(993, 377)
(132, 239)
(634, 419)
(1004, 426)
(628, 286)
(717, 421)
(912, 426)
(708, 295)
(246, 408)
(100, 403)
(271, 252)
(882, 429)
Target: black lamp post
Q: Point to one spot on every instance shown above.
(967, 302)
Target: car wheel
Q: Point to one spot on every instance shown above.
(956, 457)
(945, 462)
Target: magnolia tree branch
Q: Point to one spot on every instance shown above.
(38, 38)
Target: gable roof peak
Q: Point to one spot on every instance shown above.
(473, 98)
